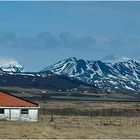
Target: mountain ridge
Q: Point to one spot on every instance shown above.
(118, 73)
(123, 74)
(9, 65)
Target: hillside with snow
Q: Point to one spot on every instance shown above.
(111, 73)
(9, 65)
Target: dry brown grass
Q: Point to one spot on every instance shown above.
(75, 126)
(88, 104)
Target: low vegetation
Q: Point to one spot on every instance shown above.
(51, 125)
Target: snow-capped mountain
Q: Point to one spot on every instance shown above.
(8, 65)
(117, 73)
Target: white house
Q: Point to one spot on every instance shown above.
(14, 108)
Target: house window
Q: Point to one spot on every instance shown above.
(1, 111)
(24, 111)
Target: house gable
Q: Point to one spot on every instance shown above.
(8, 100)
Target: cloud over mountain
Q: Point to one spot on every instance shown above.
(70, 44)
(10, 65)
(46, 40)
(5, 62)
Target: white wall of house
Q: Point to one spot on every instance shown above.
(1, 116)
(15, 114)
(31, 116)
(6, 114)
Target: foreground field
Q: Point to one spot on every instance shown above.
(71, 125)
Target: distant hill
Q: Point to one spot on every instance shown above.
(40, 80)
(8, 65)
(113, 72)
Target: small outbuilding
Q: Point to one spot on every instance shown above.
(15, 108)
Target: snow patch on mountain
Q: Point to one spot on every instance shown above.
(10, 65)
(120, 73)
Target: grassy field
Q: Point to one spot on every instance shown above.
(88, 105)
(72, 126)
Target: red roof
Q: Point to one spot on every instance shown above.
(9, 100)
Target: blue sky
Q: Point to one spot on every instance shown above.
(38, 34)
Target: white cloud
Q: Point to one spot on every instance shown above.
(46, 40)
(6, 62)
